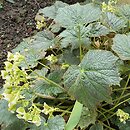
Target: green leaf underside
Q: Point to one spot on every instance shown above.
(74, 117)
(42, 87)
(96, 127)
(77, 14)
(92, 78)
(122, 46)
(113, 22)
(51, 11)
(34, 48)
(87, 117)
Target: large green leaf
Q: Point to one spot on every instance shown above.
(89, 82)
(72, 15)
(122, 46)
(113, 22)
(71, 36)
(34, 48)
(45, 88)
(87, 117)
(51, 11)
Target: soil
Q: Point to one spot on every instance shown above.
(17, 22)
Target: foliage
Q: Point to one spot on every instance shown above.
(73, 74)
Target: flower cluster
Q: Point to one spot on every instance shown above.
(123, 116)
(14, 77)
(32, 115)
(110, 7)
(52, 58)
(40, 22)
(16, 83)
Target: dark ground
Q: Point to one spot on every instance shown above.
(17, 22)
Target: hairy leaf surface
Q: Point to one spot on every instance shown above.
(51, 11)
(87, 117)
(8, 119)
(122, 46)
(71, 36)
(113, 22)
(53, 123)
(96, 30)
(125, 11)
(72, 15)
(45, 88)
(34, 48)
(96, 127)
(89, 82)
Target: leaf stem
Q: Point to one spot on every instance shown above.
(117, 105)
(46, 79)
(110, 128)
(43, 65)
(124, 89)
(104, 117)
(80, 42)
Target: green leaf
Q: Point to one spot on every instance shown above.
(89, 82)
(53, 123)
(41, 72)
(125, 11)
(8, 119)
(122, 46)
(72, 15)
(74, 117)
(52, 10)
(17, 125)
(96, 30)
(71, 57)
(71, 36)
(34, 48)
(113, 22)
(55, 28)
(96, 127)
(87, 117)
(42, 87)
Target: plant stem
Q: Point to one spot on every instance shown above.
(117, 105)
(118, 89)
(104, 117)
(80, 42)
(43, 65)
(124, 89)
(46, 79)
(128, 94)
(106, 126)
(44, 96)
